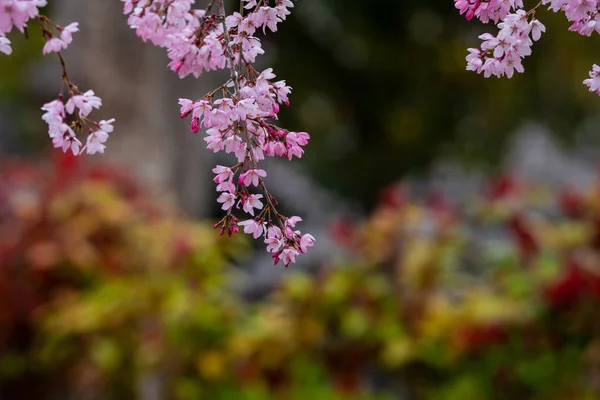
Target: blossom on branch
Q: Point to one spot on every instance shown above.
(63, 127)
(236, 115)
(501, 55)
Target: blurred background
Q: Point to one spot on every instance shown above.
(457, 221)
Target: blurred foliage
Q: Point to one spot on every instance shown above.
(383, 90)
(103, 293)
(106, 295)
(495, 299)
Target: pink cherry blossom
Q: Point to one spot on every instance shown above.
(593, 83)
(287, 256)
(306, 241)
(503, 54)
(56, 44)
(274, 239)
(84, 102)
(223, 174)
(226, 186)
(252, 177)
(252, 227)
(66, 34)
(486, 10)
(53, 45)
(252, 202)
(228, 200)
(237, 116)
(96, 140)
(5, 45)
(16, 13)
(68, 141)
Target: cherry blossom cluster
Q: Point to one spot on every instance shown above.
(503, 54)
(16, 13)
(78, 107)
(237, 115)
(64, 120)
(583, 14)
(494, 10)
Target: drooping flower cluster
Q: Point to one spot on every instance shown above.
(502, 54)
(237, 114)
(583, 14)
(64, 120)
(56, 44)
(494, 10)
(194, 37)
(594, 81)
(79, 106)
(16, 13)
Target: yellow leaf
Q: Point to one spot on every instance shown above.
(211, 365)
